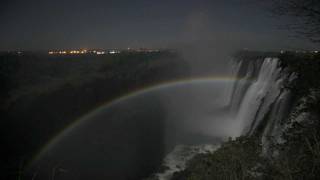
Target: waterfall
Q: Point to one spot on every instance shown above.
(259, 100)
(256, 102)
(259, 96)
(175, 121)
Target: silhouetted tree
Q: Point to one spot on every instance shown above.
(306, 14)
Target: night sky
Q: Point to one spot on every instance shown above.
(48, 24)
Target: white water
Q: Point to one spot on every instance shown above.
(257, 96)
(190, 113)
(260, 95)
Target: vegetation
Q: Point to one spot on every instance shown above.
(297, 157)
(233, 160)
(306, 66)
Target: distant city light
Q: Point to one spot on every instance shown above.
(98, 52)
(114, 52)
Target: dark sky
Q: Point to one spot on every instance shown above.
(48, 24)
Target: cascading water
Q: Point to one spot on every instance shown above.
(260, 95)
(257, 103)
(264, 100)
(183, 117)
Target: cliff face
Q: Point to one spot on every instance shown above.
(277, 99)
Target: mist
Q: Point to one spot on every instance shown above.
(166, 87)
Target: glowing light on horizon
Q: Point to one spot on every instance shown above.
(100, 52)
(114, 52)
